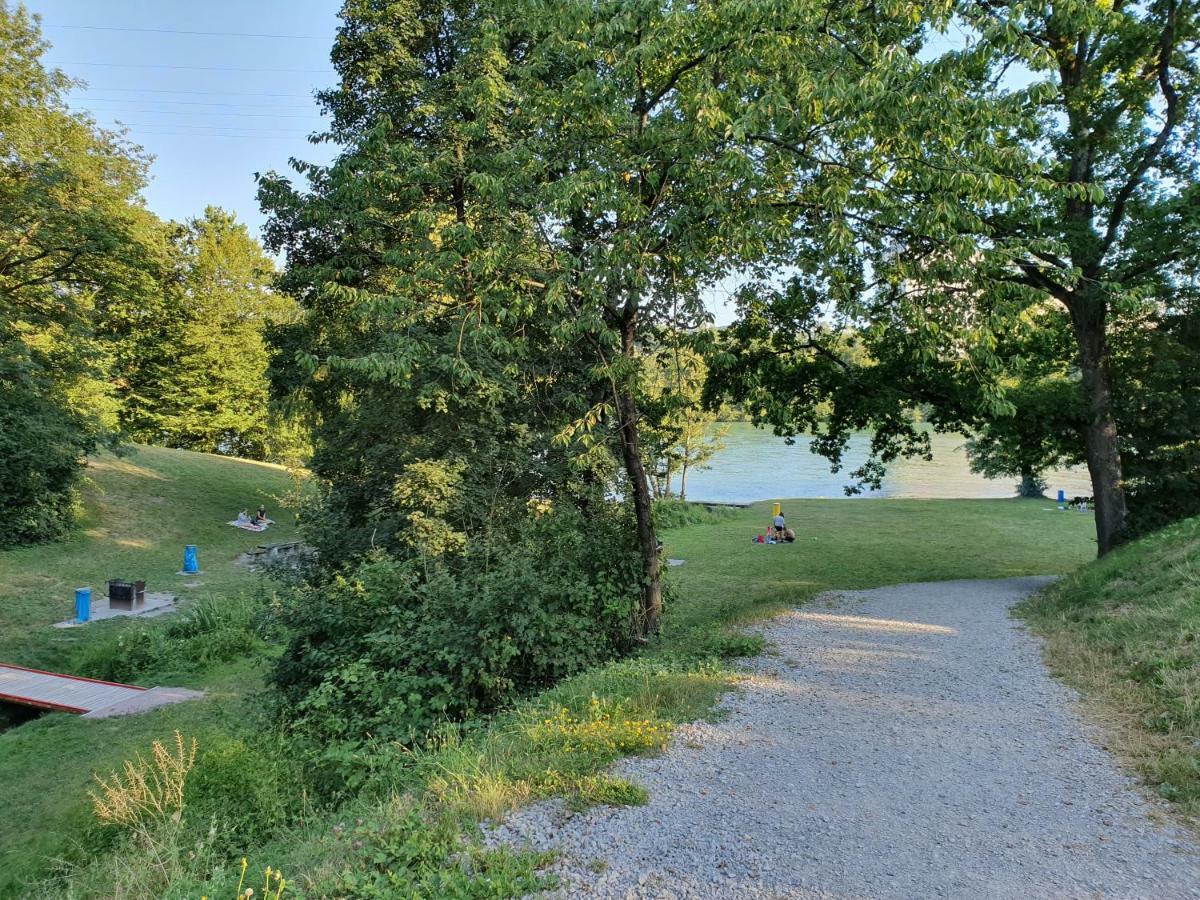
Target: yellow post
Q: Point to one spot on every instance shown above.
(775, 510)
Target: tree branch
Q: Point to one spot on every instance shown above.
(1166, 44)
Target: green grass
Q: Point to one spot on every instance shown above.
(558, 743)
(483, 771)
(1125, 631)
(139, 512)
(851, 544)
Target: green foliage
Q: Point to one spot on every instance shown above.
(677, 513)
(1126, 631)
(195, 361)
(1071, 191)
(1156, 406)
(429, 357)
(41, 445)
(403, 852)
(1159, 409)
(243, 789)
(72, 238)
(391, 647)
(216, 630)
(680, 434)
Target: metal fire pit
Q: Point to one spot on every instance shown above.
(126, 594)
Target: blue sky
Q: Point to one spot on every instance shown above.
(213, 109)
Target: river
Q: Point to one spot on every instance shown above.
(757, 465)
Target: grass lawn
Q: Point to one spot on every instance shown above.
(1125, 631)
(139, 512)
(859, 544)
(556, 743)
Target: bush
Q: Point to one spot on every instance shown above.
(393, 646)
(677, 513)
(218, 629)
(42, 447)
(404, 851)
(243, 791)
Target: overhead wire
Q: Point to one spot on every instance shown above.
(181, 112)
(89, 87)
(196, 68)
(295, 37)
(194, 103)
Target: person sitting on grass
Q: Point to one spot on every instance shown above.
(260, 517)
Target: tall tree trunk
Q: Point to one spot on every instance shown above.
(1100, 435)
(651, 607)
(683, 478)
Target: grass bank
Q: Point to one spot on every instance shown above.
(399, 829)
(1125, 631)
(139, 511)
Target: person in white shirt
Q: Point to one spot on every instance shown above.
(780, 526)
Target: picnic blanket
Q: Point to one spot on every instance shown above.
(251, 525)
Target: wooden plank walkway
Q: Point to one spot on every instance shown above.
(68, 693)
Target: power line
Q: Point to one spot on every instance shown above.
(198, 93)
(232, 126)
(187, 112)
(194, 68)
(217, 134)
(123, 124)
(295, 37)
(261, 106)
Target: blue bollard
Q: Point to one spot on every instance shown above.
(83, 604)
(1062, 499)
(191, 563)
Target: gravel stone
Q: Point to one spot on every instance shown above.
(899, 742)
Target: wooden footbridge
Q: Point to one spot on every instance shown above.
(89, 697)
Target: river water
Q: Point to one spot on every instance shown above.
(757, 465)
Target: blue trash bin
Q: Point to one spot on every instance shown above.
(83, 604)
(1062, 499)
(191, 562)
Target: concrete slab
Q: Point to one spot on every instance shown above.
(146, 700)
(157, 604)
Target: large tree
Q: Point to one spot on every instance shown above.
(73, 236)
(1049, 160)
(652, 189)
(192, 359)
(426, 349)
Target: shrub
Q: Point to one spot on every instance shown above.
(214, 630)
(146, 792)
(243, 790)
(393, 646)
(669, 513)
(42, 448)
(404, 851)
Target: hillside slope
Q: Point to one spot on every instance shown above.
(139, 512)
(1125, 630)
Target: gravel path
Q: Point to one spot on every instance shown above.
(900, 742)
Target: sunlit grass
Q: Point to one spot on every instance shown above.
(139, 512)
(1126, 632)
